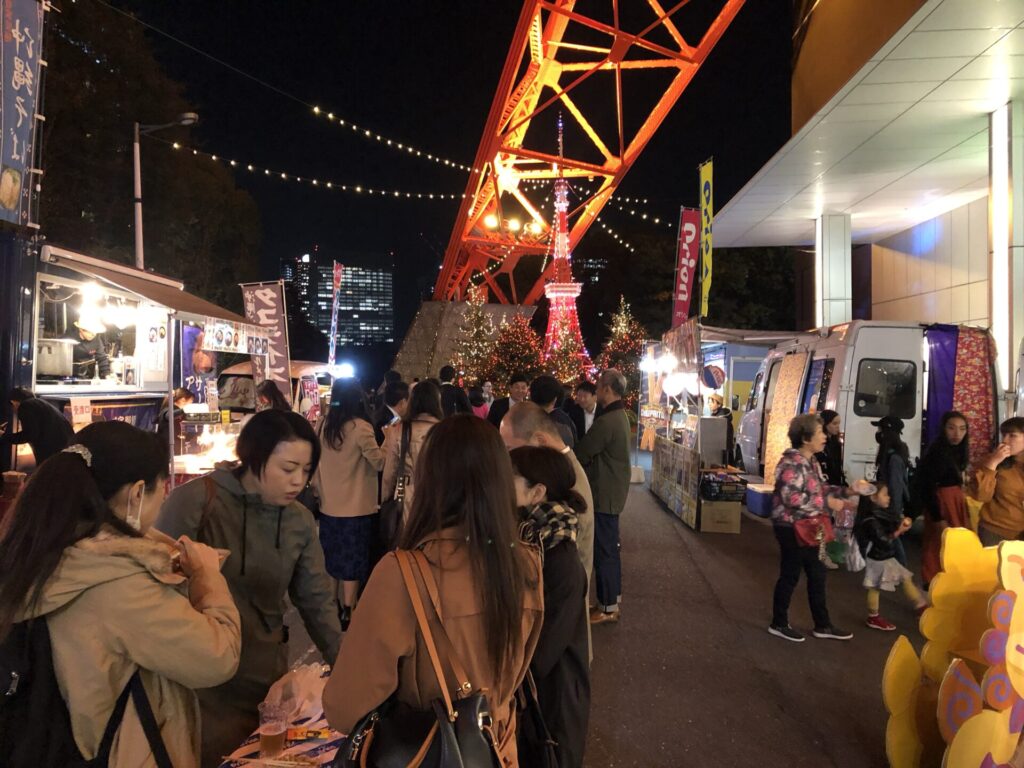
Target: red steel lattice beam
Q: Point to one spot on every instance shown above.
(549, 68)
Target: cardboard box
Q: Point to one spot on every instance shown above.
(720, 516)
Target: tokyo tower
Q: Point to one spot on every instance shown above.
(563, 342)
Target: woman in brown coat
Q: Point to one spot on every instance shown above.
(346, 483)
(423, 412)
(464, 520)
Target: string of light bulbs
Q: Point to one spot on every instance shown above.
(399, 146)
(358, 189)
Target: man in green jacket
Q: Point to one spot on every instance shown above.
(604, 454)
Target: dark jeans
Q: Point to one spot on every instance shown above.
(795, 558)
(988, 538)
(607, 564)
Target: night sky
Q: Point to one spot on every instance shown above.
(424, 73)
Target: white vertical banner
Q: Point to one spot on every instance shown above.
(264, 306)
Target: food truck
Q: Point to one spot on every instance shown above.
(865, 370)
(102, 342)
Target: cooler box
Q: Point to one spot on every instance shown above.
(759, 499)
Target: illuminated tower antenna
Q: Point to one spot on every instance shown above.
(563, 343)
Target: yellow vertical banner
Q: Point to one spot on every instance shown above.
(707, 214)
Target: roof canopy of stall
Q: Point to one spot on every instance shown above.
(905, 140)
(158, 289)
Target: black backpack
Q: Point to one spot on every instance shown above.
(35, 728)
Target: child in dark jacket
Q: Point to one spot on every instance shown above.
(878, 530)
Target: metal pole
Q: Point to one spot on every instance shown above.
(139, 257)
(170, 389)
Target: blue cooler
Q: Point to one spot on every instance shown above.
(759, 499)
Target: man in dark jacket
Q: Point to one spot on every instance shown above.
(589, 408)
(90, 353)
(43, 427)
(518, 389)
(392, 408)
(546, 391)
(453, 397)
(604, 454)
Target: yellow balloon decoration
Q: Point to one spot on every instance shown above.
(938, 709)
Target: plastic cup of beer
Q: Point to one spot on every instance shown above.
(273, 727)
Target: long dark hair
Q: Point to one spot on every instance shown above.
(550, 468)
(425, 399)
(270, 392)
(940, 446)
(66, 501)
(463, 479)
(265, 431)
(348, 402)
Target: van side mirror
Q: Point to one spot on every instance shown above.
(735, 402)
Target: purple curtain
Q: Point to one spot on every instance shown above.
(942, 340)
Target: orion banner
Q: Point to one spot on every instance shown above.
(264, 306)
(20, 59)
(707, 215)
(686, 264)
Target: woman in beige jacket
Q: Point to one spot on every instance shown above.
(115, 602)
(422, 413)
(464, 521)
(346, 483)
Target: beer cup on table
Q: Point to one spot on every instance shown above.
(273, 728)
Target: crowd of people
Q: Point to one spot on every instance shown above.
(178, 602)
(811, 491)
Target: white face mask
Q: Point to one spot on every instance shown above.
(135, 521)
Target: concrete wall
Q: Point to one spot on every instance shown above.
(936, 271)
(841, 36)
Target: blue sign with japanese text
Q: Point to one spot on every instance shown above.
(21, 22)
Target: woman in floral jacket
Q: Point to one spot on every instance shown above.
(801, 491)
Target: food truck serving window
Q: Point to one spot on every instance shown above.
(87, 331)
(886, 388)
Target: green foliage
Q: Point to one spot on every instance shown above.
(517, 349)
(102, 77)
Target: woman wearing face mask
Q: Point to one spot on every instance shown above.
(250, 508)
(942, 485)
(75, 555)
(999, 484)
(549, 506)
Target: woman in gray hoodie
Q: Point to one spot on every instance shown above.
(250, 508)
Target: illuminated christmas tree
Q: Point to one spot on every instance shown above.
(516, 350)
(563, 338)
(624, 348)
(566, 359)
(476, 338)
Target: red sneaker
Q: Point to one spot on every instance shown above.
(877, 622)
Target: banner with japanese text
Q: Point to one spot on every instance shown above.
(264, 306)
(686, 264)
(198, 365)
(707, 215)
(20, 56)
(335, 297)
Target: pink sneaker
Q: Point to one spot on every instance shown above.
(877, 622)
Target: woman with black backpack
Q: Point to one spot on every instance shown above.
(77, 556)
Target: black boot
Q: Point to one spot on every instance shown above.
(344, 615)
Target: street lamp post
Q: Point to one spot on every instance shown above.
(187, 118)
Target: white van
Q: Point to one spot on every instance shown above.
(863, 370)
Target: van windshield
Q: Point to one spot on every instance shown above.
(886, 388)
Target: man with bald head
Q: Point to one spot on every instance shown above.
(529, 424)
(604, 454)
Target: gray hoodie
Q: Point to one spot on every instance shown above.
(274, 551)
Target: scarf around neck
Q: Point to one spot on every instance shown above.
(552, 523)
